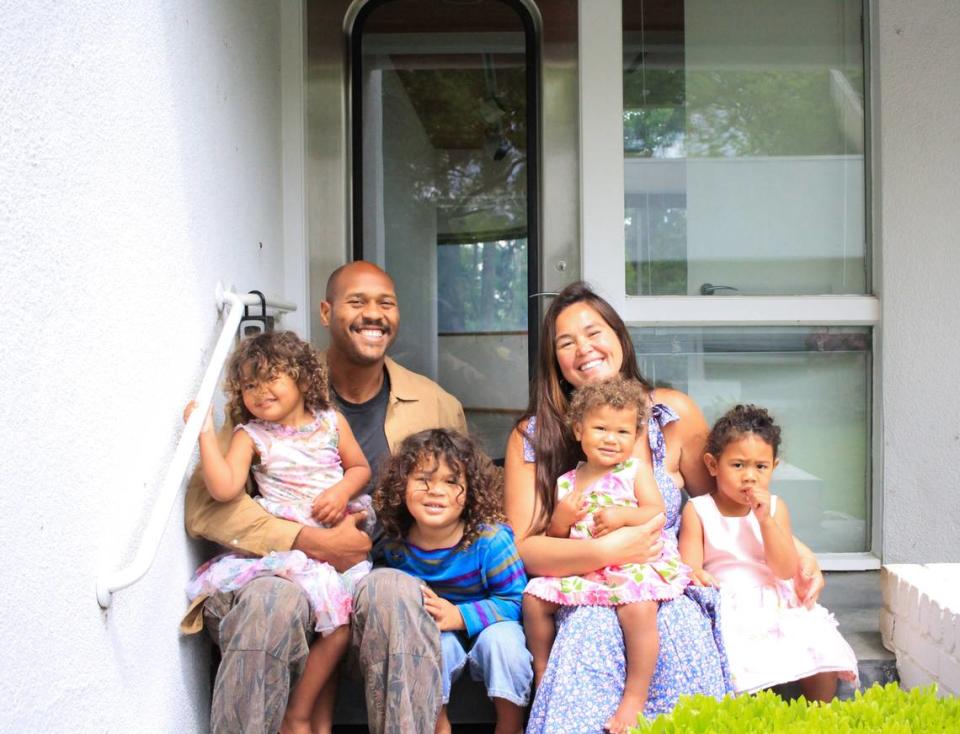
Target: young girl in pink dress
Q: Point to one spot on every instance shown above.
(739, 538)
(608, 490)
(308, 468)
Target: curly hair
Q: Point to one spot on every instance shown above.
(618, 393)
(483, 504)
(259, 358)
(738, 422)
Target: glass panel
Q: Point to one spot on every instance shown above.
(443, 163)
(743, 144)
(815, 382)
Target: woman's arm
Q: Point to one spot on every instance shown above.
(691, 433)
(543, 556)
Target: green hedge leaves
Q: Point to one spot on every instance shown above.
(887, 709)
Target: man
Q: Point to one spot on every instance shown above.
(264, 630)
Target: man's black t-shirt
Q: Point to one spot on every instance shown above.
(366, 421)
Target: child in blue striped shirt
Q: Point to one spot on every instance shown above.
(440, 504)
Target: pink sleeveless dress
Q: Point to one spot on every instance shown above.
(771, 638)
(659, 580)
(296, 465)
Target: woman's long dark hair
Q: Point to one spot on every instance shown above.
(555, 447)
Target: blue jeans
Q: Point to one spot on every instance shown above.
(498, 657)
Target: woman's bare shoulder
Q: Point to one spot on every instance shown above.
(681, 403)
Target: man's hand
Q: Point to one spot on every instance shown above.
(446, 614)
(328, 508)
(703, 578)
(342, 546)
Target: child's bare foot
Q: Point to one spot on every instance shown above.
(626, 715)
(295, 726)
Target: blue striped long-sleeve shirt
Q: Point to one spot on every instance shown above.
(485, 581)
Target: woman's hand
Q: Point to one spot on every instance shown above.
(444, 613)
(208, 426)
(809, 582)
(329, 507)
(635, 544)
(701, 577)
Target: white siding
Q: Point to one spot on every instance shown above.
(916, 114)
(141, 163)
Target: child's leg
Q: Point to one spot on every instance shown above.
(819, 687)
(540, 629)
(452, 658)
(509, 717)
(498, 658)
(325, 654)
(639, 624)
(443, 723)
(321, 721)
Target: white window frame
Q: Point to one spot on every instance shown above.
(603, 247)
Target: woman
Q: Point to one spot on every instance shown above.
(584, 340)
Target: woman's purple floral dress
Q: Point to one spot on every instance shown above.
(584, 679)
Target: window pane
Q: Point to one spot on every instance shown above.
(743, 143)
(816, 384)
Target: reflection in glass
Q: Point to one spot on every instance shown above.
(744, 144)
(441, 172)
(815, 382)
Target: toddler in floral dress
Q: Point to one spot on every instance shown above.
(308, 468)
(608, 490)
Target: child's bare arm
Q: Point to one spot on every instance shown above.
(778, 544)
(649, 501)
(225, 476)
(691, 546)
(329, 507)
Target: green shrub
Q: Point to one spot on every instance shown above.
(887, 709)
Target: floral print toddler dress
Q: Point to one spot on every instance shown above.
(296, 466)
(662, 579)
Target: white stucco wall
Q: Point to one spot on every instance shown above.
(140, 164)
(917, 63)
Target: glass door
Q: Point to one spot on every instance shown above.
(444, 173)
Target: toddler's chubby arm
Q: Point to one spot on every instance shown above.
(569, 511)
(649, 501)
(330, 506)
(691, 546)
(225, 476)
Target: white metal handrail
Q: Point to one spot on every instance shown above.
(111, 581)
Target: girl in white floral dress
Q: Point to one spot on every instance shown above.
(607, 491)
(308, 468)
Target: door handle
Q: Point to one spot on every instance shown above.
(709, 289)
